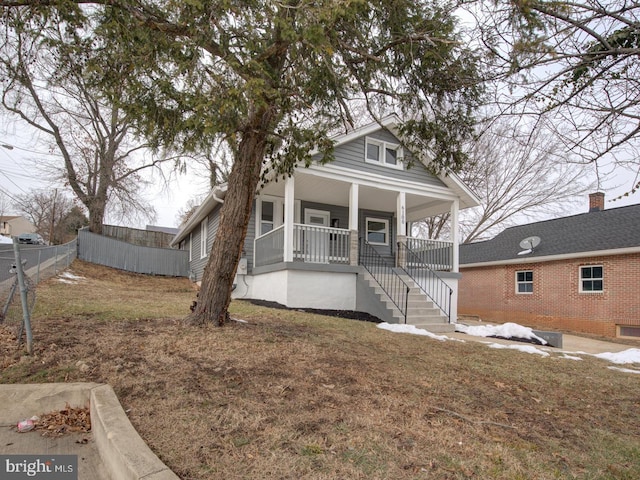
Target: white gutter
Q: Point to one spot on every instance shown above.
(201, 213)
(551, 258)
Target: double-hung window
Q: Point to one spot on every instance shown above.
(267, 217)
(592, 278)
(524, 281)
(383, 153)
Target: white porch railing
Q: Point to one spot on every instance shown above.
(269, 248)
(436, 254)
(316, 244)
(311, 244)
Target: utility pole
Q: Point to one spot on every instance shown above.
(53, 216)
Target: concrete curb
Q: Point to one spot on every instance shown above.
(127, 456)
(124, 455)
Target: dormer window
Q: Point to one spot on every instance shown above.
(383, 153)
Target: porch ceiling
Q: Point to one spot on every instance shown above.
(328, 191)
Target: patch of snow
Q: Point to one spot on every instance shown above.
(522, 348)
(69, 282)
(625, 370)
(5, 240)
(70, 276)
(507, 330)
(515, 331)
(570, 357)
(412, 329)
(631, 355)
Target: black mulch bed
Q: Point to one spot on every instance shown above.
(350, 314)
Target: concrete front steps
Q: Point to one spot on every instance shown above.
(421, 312)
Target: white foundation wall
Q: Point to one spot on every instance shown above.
(268, 286)
(301, 289)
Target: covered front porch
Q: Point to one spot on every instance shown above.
(322, 218)
(337, 246)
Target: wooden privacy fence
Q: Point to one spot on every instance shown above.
(132, 258)
(144, 238)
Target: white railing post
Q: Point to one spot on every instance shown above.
(455, 236)
(289, 195)
(353, 224)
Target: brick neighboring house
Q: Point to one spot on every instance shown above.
(582, 277)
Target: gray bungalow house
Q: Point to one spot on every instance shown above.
(336, 236)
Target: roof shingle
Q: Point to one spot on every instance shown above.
(587, 232)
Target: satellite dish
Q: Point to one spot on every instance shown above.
(529, 244)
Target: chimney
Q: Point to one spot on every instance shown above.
(596, 202)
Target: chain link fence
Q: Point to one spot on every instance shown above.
(38, 264)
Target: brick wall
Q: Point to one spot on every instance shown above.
(556, 301)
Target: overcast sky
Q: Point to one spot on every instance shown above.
(19, 174)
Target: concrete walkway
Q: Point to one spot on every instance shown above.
(112, 451)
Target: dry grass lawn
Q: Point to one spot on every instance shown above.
(291, 395)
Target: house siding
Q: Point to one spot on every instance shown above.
(15, 225)
(351, 155)
(197, 264)
(342, 214)
(556, 301)
(247, 250)
(337, 212)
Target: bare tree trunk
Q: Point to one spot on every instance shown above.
(96, 215)
(217, 281)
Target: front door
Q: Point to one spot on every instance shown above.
(316, 245)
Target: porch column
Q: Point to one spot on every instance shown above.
(455, 236)
(401, 227)
(353, 224)
(289, 194)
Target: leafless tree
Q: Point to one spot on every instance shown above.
(50, 212)
(517, 174)
(573, 66)
(92, 140)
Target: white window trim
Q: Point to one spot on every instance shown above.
(399, 165)
(274, 222)
(580, 279)
(518, 292)
(203, 239)
(278, 212)
(381, 220)
(190, 246)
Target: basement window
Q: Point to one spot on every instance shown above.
(628, 331)
(591, 279)
(524, 281)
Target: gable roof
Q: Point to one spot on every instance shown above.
(391, 123)
(612, 231)
(216, 197)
